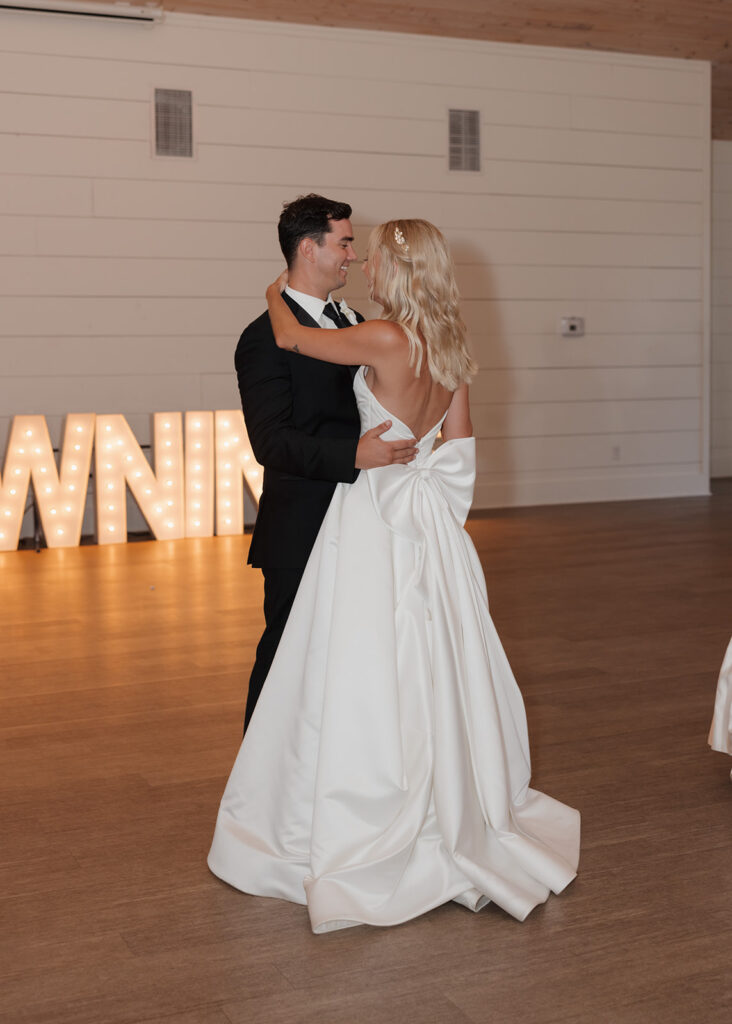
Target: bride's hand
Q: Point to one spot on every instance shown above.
(281, 282)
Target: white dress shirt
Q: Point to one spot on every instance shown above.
(314, 307)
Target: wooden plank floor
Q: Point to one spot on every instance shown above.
(123, 673)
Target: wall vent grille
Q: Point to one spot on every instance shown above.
(464, 140)
(173, 122)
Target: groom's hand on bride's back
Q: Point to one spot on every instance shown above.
(373, 452)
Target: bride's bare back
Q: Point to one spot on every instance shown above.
(418, 401)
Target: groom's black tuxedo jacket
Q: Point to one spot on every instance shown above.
(303, 425)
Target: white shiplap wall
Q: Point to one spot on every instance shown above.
(125, 280)
(722, 309)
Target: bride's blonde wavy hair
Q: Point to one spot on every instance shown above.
(414, 281)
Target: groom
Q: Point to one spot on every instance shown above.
(301, 415)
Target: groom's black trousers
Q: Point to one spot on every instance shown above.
(280, 587)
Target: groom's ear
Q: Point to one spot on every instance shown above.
(306, 248)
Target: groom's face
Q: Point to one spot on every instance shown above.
(335, 255)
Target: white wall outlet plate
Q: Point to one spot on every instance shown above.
(572, 326)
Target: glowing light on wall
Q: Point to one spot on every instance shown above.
(234, 460)
(199, 474)
(60, 495)
(120, 460)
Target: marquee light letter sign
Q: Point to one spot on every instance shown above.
(60, 494)
(177, 498)
(199, 474)
(120, 461)
(234, 460)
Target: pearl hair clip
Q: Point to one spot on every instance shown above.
(400, 240)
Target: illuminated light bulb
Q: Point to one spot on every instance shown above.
(197, 444)
(197, 487)
(170, 504)
(228, 522)
(21, 451)
(111, 508)
(108, 465)
(247, 458)
(69, 508)
(168, 444)
(60, 532)
(168, 462)
(108, 445)
(170, 525)
(52, 511)
(73, 467)
(254, 472)
(111, 529)
(77, 447)
(226, 444)
(79, 429)
(196, 522)
(167, 426)
(8, 512)
(196, 504)
(224, 423)
(72, 487)
(148, 490)
(48, 490)
(16, 472)
(227, 465)
(29, 433)
(13, 490)
(197, 468)
(2, 535)
(110, 487)
(227, 483)
(128, 458)
(108, 428)
(44, 469)
(137, 473)
(37, 451)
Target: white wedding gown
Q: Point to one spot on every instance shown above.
(386, 768)
(720, 734)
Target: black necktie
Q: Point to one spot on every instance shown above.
(335, 315)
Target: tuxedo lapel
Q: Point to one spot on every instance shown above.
(302, 317)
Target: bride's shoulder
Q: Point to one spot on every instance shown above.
(387, 333)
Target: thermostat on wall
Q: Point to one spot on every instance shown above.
(572, 326)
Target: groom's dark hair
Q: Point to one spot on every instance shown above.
(307, 217)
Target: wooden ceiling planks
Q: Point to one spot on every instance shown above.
(692, 29)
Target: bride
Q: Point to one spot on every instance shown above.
(720, 734)
(386, 768)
